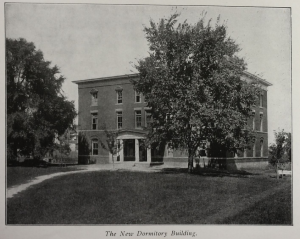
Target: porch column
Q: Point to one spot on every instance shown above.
(148, 155)
(137, 155)
(121, 152)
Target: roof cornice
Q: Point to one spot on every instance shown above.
(106, 78)
(262, 81)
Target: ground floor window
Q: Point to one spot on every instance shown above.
(261, 148)
(245, 152)
(94, 147)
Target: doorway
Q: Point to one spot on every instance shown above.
(129, 149)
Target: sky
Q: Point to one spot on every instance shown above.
(91, 40)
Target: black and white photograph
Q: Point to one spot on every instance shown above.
(167, 116)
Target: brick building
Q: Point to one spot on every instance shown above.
(112, 101)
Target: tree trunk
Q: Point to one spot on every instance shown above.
(190, 162)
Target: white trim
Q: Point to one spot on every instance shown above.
(93, 111)
(137, 150)
(137, 108)
(118, 110)
(130, 136)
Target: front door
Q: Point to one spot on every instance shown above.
(129, 149)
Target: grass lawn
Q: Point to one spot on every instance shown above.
(122, 197)
(20, 175)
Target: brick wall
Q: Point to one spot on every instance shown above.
(107, 106)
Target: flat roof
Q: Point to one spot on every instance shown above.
(137, 74)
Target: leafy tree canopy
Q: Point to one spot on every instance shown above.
(37, 110)
(192, 82)
(281, 150)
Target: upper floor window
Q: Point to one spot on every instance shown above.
(261, 122)
(148, 118)
(95, 147)
(119, 96)
(94, 97)
(260, 100)
(119, 120)
(94, 120)
(138, 97)
(138, 118)
(253, 120)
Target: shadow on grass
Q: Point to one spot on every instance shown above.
(209, 172)
(276, 209)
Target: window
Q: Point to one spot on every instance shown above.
(94, 98)
(138, 119)
(119, 120)
(253, 122)
(254, 148)
(245, 152)
(148, 118)
(261, 101)
(94, 120)
(261, 148)
(138, 98)
(261, 122)
(95, 147)
(119, 96)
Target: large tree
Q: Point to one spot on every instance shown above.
(37, 110)
(281, 150)
(192, 82)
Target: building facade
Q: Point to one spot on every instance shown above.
(111, 103)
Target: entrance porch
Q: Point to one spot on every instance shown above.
(132, 149)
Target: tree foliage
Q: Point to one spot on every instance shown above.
(192, 82)
(37, 110)
(111, 143)
(281, 150)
